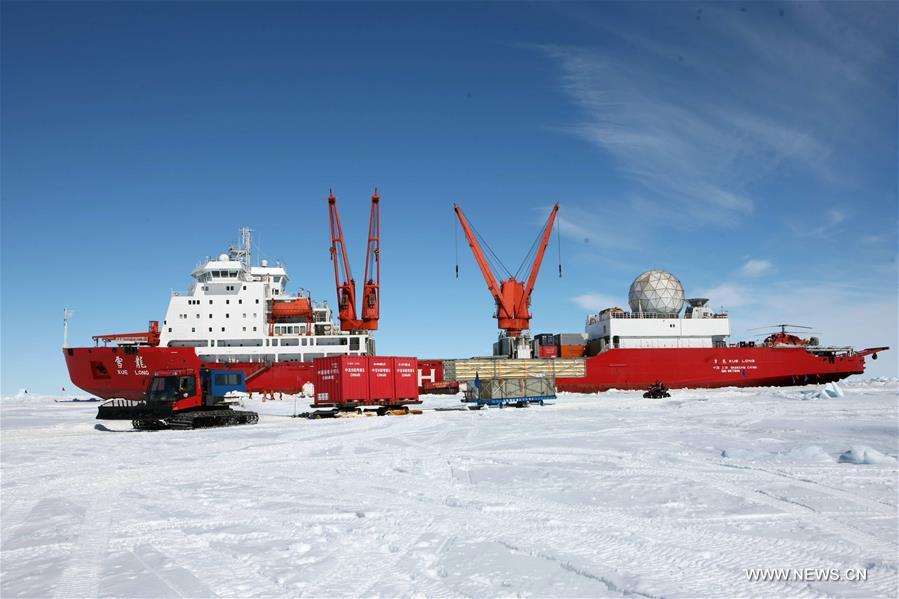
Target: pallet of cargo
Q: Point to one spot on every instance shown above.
(520, 392)
(508, 368)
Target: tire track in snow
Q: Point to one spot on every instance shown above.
(81, 576)
(660, 554)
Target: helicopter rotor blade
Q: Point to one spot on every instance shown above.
(780, 326)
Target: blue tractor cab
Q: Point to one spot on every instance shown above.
(218, 383)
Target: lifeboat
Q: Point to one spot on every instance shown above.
(297, 308)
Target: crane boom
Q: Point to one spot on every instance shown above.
(371, 293)
(492, 284)
(512, 297)
(346, 286)
(538, 259)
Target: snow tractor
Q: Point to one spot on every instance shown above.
(183, 399)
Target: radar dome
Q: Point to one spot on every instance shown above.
(656, 292)
(223, 257)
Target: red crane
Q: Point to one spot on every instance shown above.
(512, 296)
(343, 277)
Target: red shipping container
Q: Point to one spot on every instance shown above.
(341, 380)
(381, 384)
(549, 351)
(430, 378)
(406, 379)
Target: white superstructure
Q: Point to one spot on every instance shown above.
(699, 327)
(227, 315)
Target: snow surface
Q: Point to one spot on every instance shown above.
(596, 495)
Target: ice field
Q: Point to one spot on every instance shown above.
(595, 495)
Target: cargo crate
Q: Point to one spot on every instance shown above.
(497, 368)
(544, 339)
(381, 379)
(341, 380)
(548, 351)
(431, 378)
(536, 387)
(405, 379)
(572, 351)
(570, 339)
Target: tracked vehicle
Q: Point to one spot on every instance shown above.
(183, 399)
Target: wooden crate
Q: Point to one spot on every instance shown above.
(499, 368)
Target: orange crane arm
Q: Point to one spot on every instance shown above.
(346, 286)
(538, 259)
(371, 293)
(492, 283)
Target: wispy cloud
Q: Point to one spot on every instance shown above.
(820, 226)
(755, 268)
(596, 301)
(729, 295)
(698, 116)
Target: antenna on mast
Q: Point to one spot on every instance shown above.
(242, 252)
(66, 313)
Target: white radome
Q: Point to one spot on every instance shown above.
(656, 292)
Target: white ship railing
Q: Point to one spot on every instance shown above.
(655, 315)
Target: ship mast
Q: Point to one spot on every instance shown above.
(242, 252)
(66, 313)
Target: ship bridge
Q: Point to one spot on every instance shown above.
(239, 312)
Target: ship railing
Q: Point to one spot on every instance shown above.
(815, 349)
(657, 315)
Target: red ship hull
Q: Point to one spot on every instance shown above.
(637, 368)
(122, 372)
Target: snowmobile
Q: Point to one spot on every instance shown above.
(657, 390)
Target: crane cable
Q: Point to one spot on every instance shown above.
(533, 247)
(491, 263)
(559, 244)
(456, 243)
(483, 241)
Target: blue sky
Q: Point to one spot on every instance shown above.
(750, 148)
